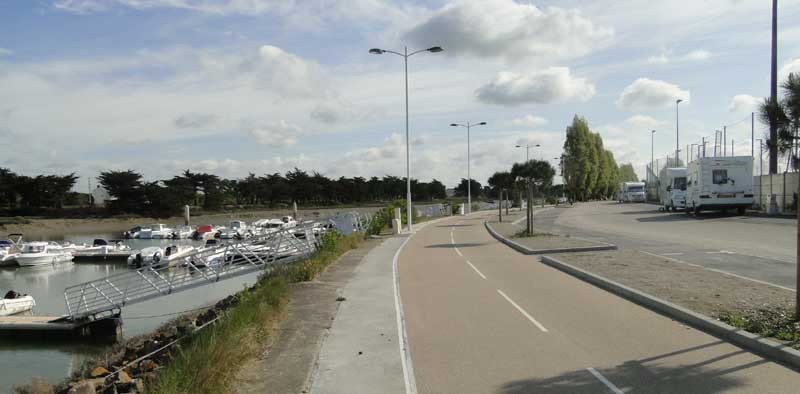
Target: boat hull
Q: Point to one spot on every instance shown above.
(16, 305)
(46, 259)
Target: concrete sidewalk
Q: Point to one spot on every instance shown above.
(361, 353)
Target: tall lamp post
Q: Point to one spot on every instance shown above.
(528, 150)
(652, 144)
(405, 55)
(677, 131)
(469, 178)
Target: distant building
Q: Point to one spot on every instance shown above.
(450, 192)
(100, 196)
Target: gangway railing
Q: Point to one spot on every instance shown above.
(105, 297)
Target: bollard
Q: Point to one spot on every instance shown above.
(186, 215)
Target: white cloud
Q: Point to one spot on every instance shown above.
(507, 29)
(194, 120)
(666, 56)
(5, 52)
(743, 103)
(551, 85)
(645, 93)
(632, 127)
(222, 7)
(279, 134)
(528, 121)
(791, 67)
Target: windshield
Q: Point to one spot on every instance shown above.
(635, 189)
(679, 183)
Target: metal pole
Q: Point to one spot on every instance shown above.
(704, 148)
(469, 178)
(732, 154)
(724, 140)
(408, 152)
(677, 129)
(773, 89)
(527, 153)
(752, 134)
(687, 154)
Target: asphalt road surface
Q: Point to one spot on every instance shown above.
(482, 318)
(758, 248)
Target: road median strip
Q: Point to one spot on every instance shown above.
(526, 250)
(760, 345)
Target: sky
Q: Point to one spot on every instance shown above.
(232, 87)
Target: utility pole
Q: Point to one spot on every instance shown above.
(704, 147)
(724, 140)
(752, 134)
(677, 131)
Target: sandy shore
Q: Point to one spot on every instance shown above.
(57, 228)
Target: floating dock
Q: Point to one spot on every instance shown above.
(111, 257)
(58, 327)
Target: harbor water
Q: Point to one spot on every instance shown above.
(20, 361)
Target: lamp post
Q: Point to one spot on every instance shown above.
(469, 178)
(405, 55)
(677, 130)
(528, 150)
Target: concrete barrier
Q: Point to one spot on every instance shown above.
(525, 250)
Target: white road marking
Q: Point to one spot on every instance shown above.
(459, 252)
(405, 351)
(524, 313)
(672, 254)
(605, 381)
(476, 270)
(721, 252)
(720, 271)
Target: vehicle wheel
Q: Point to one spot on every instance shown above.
(740, 211)
(696, 211)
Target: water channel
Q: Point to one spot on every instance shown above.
(20, 361)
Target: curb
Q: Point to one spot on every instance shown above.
(525, 250)
(754, 343)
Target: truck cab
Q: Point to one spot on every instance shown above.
(674, 185)
(632, 192)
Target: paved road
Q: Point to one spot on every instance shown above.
(754, 247)
(482, 318)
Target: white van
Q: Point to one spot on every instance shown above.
(720, 183)
(631, 192)
(673, 188)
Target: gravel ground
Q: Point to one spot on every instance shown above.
(696, 288)
(540, 240)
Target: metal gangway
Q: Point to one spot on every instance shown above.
(105, 297)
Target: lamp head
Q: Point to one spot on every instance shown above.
(434, 49)
(518, 146)
(678, 101)
(653, 131)
(376, 51)
(453, 124)
(482, 123)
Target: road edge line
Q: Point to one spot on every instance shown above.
(759, 345)
(525, 250)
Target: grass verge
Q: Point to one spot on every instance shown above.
(524, 234)
(775, 323)
(207, 362)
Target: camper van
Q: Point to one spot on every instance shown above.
(720, 183)
(631, 192)
(673, 188)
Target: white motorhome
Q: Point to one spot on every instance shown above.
(631, 192)
(673, 188)
(720, 183)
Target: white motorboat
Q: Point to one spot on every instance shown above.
(103, 250)
(132, 233)
(205, 232)
(268, 226)
(13, 303)
(155, 231)
(174, 254)
(146, 257)
(182, 232)
(43, 253)
(236, 229)
(288, 222)
(9, 249)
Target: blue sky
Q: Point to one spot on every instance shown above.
(238, 86)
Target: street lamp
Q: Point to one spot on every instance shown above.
(652, 140)
(677, 131)
(528, 150)
(469, 179)
(405, 55)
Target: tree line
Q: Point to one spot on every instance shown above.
(131, 194)
(589, 170)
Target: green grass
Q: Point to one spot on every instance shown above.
(775, 323)
(208, 361)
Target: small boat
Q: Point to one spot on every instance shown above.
(132, 233)
(204, 232)
(182, 232)
(9, 249)
(13, 303)
(288, 222)
(155, 231)
(176, 253)
(151, 256)
(236, 229)
(43, 253)
(268, 226)
(104, 250)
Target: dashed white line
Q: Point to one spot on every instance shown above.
(605, 381)
(672, 254)
(524, 313)
(476, 270)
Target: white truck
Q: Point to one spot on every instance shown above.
(631, 192)
(673, 188)
(720, 183)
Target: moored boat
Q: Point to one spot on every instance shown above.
(174, 254)
(9, 249)
(43, 253)
(146, 257)
(13, 303)
(104, 250)
(155, 231)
